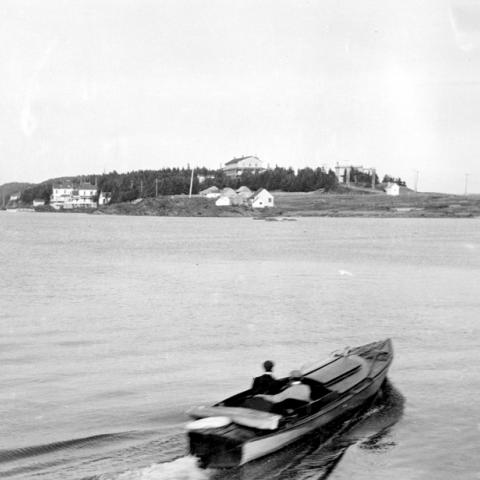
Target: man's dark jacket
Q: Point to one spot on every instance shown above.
(265, 384)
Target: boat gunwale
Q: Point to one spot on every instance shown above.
(334, 404)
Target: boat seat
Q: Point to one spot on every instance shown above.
(258, 403)
(291, 406)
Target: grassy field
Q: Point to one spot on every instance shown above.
(377, 205)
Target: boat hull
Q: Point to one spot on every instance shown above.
(354, 379)
(262, 446)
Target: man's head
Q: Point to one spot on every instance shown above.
(268, 366)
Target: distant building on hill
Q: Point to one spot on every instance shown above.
(236, 166)
(343, 172)
(68, 196)
(392, 189)
(38, 202)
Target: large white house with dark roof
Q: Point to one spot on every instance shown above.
(236, 166)
(68, 196)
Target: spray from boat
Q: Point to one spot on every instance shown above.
(184, 468)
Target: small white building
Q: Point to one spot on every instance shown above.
(104, 198)
(14, 197)
(228, 197)
(223, 201)
(38, 202)
(392, 189)
(262, 199)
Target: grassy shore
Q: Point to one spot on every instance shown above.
(312, 204)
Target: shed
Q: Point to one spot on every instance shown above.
(223, 201)
(262, 199)
(392, 189)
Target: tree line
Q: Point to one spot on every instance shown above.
(125, 187)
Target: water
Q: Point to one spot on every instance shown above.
(113, 326)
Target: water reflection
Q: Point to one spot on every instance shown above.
(315, 457)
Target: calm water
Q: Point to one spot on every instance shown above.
(111, 327)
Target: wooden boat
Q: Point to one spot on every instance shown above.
(246, 427)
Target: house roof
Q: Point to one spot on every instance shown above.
(86, 186)
(63, 185)
(260, 190)
(243, 188)
(236, 160)
(81, 186)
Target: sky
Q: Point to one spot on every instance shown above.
(88, 86)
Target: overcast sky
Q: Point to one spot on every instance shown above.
(93, 86)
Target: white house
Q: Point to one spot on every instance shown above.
(38, 202)
(262, 199)
(67, 196)
(14, 197)
(392, 189)
(104, 198)
(236, 166)
(342, 172)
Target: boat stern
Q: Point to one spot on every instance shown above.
(214, 449)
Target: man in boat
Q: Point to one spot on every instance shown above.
(265, 383)
(296, 395)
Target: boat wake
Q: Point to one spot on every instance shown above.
(317, 456)
(37, 450)
(184, 468)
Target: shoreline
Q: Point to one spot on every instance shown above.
(311, 204)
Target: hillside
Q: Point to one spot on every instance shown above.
(8, 189)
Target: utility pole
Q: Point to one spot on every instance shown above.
(466, 183)
(191, 185)
(141, 188)
(156, 187)
(416, 180)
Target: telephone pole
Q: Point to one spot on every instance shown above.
(156, 187)
(191, 185)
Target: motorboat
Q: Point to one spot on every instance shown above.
(247, 426)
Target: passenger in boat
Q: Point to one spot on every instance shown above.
(265, 383)
(295, 395)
